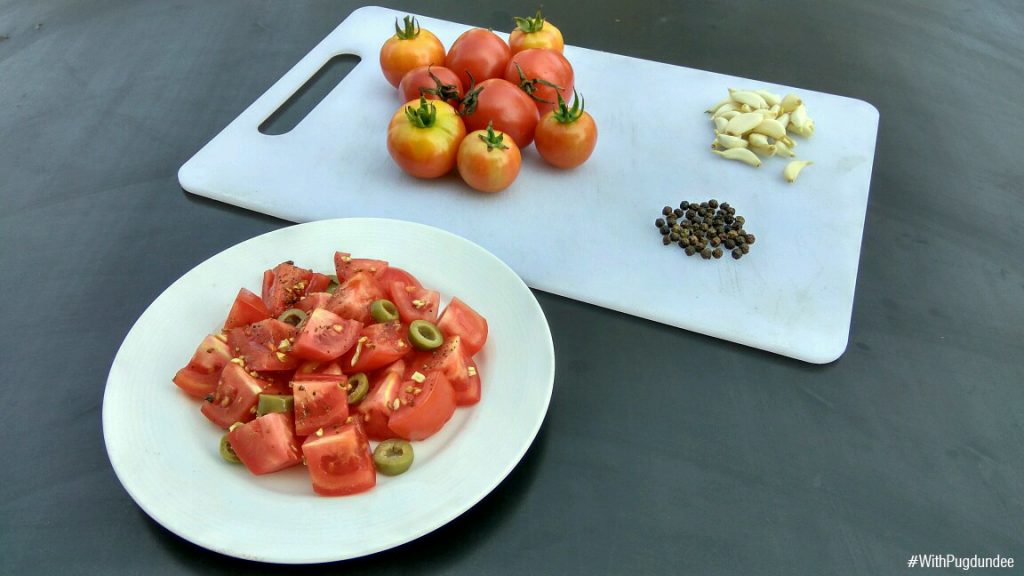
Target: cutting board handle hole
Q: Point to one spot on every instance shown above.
(309, 95)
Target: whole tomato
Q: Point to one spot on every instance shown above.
(535, 33)
(478, 55)
(409, 48)
(487, 162)
(503, 104)
(566, 137)
(538, 72)
(424, 137)
(431, 82)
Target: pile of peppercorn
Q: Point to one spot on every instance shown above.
(705, 228)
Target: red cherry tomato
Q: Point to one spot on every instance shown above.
(566, 137)
(535, 32)
(409, 48)
(424, 137)
(505, 106)
(535, 69)
(480, 52)
(431, 82)
(487, 161)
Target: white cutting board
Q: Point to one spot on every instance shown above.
(588, 233)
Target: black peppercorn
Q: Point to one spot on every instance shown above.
(671, 220)
(664, 229)
(666, 240)
(740, 220)
(745, 248)
(729, 243)
(678, 212)
(684, 241)
(673, 237)
(659, 222)
(731, 211)
(737, 254)
(666, 210)
(712, 203)
(717, 253)
(724, 206)
(684, 205)
(715, 241)
(706, 254)
(690, 251)
(750, 239)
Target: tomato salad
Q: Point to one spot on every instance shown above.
(317, 366)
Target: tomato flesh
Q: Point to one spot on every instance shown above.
(199, 377)
(424, 408)
(321, 400)
(396, 274)
(259, 345)
(235, 399)
(247, 309)
(339, 461)
(267, 444)
(377, 406)
(384, 343)
(325, 336)
(353, 298)
(414, 303)
(345, 266)
(477, 55)
(458, 319)
(287, 285)
(467, 390)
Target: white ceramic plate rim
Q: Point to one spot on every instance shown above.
(164, 453)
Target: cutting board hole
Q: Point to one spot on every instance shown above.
(306, 98)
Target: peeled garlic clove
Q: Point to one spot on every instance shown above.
(720, 124)
(742, 154)
(730, 141)
(752, 99)
(807, 130)
(783, 118)
(772, 128)
(792, 170)
(743, 123)
(727, 107)
(799, 116)
(782, 150)
(768, 150)
(758, 140)
(790, 102)
(746, 108)
(718, 105)
(729, 115)
(770, 98)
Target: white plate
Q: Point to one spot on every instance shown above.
(165, 452)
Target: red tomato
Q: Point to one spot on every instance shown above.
(450, 359)
(384, 343)
(487, 162)
(247, 308)
(502, 104)
(395, 274)
(199, 377)
(286, 286)
(339, 461)
(423, 408)
(345, 266)
(235, 399)
(353, 298)
(478, 55)
(313, 301)
(423, 138)
(535, 33)
(311, 367)
(566, 137)
(414, 303)
(409, 48)
(377, 406)
(260, 347)
(325, 336)
(318, 283)
(467, 390)
(533, 69)
(267, 444)
(458, 319)
(431, 82)
(321, 400)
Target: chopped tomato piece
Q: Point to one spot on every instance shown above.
(321, 400)
(285, 285)
(384, 343)
(353, 297)
(313, 301)
(379, 403)
(267, 444)
(458, 319)
(345, 266)
(423, 408)
(235, 399)
(247, 309)
(396, 274)
(199, 377)
(260, 345)
(339, 461)
(313, 367)
(414, 303)
(318, 283)
(196, 384)
(325, 336)
(467, 390)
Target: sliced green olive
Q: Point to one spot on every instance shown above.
(424, 335)
(358, 386)
(383, 311)
(392, 457)
(227, 452)
(275, 403)
(333, 285)
(292, 316)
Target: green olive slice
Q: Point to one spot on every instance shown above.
(358, 386)
(292, 316)
(425, 336)
(383, 311)
(333, 285)
(392, 457)
(227, 452)
(275, 403)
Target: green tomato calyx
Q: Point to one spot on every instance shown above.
(409, 31)
(493, 139)
(530, 25)
(566, 115)
(424, 116)
(529, 85)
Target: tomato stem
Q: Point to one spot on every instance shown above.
(410, 31)
(565, 115)
(424, 116)
(529, 85)
(530, 25)
(446, 92)
(468, 103)
(493, 139)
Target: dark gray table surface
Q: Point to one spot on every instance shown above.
(663, 451)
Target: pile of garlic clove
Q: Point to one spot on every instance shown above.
(750, 124)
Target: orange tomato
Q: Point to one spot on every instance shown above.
(424, 137)
(487, 161)
(410, 47)
(566, 137)
(535, 33)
